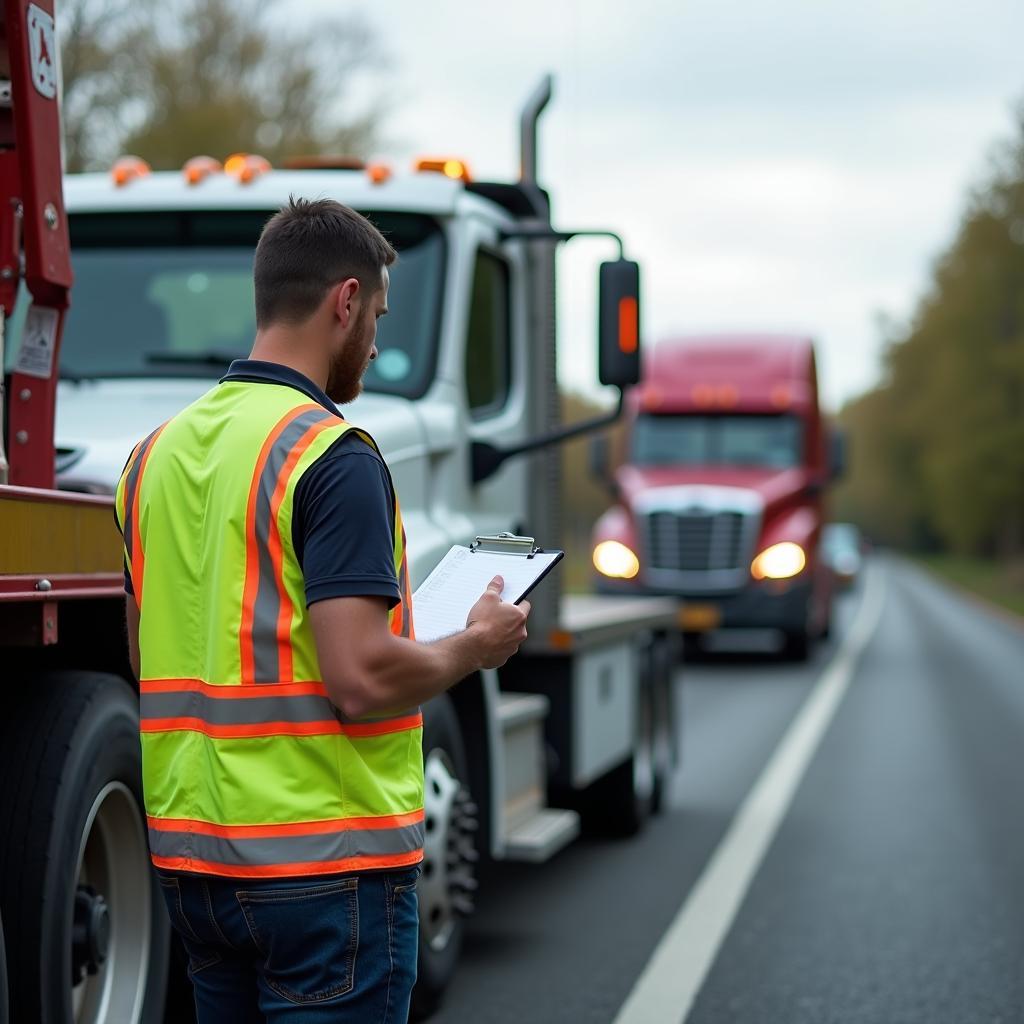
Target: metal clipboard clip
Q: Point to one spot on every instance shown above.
(506, 544)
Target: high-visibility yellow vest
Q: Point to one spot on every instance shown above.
(248, 769)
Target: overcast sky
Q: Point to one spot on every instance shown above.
(785, 165)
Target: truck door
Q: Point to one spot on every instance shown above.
(493, 378)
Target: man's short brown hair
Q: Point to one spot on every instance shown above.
(305, 249)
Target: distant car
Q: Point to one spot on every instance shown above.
(842, 549)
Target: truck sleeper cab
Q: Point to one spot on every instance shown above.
(721, 493)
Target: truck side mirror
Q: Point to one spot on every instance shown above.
(837, 454)
(619, 323)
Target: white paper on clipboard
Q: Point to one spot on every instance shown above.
(443, 600)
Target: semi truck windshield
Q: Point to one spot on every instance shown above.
(169, 294)
(770, 441)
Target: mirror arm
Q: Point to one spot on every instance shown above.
(487, 460)
(540, 233)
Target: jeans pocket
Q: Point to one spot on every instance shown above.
(200, 954)
(307, 936)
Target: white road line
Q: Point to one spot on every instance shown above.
(667, 988)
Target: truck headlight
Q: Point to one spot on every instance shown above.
(779, 562)
(616, 560)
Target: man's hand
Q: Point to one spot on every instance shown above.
(499, 628)
(367, 670)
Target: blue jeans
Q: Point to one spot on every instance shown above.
(328, 948)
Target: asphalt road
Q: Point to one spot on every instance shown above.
(892, 891)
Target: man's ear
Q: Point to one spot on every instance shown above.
(347, 300)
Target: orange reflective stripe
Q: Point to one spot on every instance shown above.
(286, 611)
(126, 473)
(327, 727)
(133, 529)
(262, 591)
(290, 828)
(316, 867)
(370, 840)
(231, 692)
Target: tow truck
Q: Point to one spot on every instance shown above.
(463, 401)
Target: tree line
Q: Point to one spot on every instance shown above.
(937, 447)
(170, 81)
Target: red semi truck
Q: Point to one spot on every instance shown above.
(720, 498)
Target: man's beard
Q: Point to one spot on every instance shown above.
(345, 378)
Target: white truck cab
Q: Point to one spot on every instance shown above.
(463, 402)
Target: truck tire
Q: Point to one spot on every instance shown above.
(447, 881)
(77, 891)
(796, 645)
(3, 979)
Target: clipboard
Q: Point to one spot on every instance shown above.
(442, 601)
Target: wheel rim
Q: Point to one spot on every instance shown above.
(447, 882)
(113, 873)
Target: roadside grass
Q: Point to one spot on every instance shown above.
(997, 582)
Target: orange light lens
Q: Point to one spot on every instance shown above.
(629, 324)
(127, 168)
(246, 167)
(448, 166)
(200, 167)
(728, 396)
(379, 173)
(703, 395)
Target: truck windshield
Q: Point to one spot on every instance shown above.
(770, 441)
(169, 294)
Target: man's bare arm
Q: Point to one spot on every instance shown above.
(368, 670)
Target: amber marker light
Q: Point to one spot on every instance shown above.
(652, 398)
(200, 167)
(379, 173)
(448, 166)
(703, 394)
(615, 560)
(779, 562)
(128, 168)
(629, 324)
(246, 167)
(728, 396)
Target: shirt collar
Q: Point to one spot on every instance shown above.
(259, 371)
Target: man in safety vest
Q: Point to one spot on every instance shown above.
(271, 629)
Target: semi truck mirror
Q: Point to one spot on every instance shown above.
(837, 454)
(619, 323)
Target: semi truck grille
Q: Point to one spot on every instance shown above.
(695, 541)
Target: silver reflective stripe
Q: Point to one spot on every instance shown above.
(232, 709)
(288, 849)
(403, 587)
(237, 711)
(370, 720)
(268, 600)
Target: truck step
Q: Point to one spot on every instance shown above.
(542, 835)
(517, 709)
(525, 771)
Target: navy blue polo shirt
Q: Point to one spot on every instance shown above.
(343, 515)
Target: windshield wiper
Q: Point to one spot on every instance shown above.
(208, 357)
